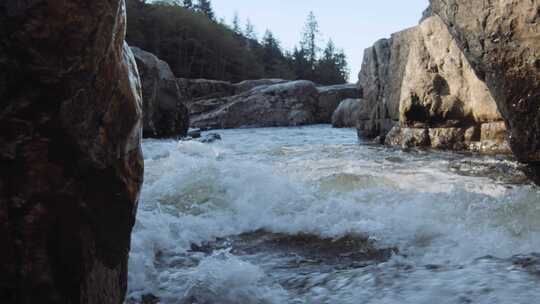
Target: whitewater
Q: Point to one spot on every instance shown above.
(316, 215)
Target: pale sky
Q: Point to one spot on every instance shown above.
(353, 24)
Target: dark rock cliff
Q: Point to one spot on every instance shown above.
(70, 157)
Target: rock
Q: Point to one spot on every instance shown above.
(421, 79)
(165, 114)
(331, 96)
(248, 85)
(193, 89)
(196, 133)
(349, 113)
(501, 40)
(210, 138)
(203, 95)
(286, 104)
(407, 137)
(70, 152)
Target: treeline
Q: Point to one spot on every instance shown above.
(188, 36)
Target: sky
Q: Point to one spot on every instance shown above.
(354, 25)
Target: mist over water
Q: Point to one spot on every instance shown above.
(312, 215)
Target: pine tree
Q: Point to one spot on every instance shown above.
(332, 66)
(205, 7)
(249, 32)
(236, 24)
(310, 37)
(187, 4)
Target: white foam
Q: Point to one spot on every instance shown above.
(195, 192)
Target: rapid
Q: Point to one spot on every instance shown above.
(315, 215)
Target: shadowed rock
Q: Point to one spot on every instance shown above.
(165, 114)
(70, 157)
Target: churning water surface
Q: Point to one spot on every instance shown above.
(312, 215)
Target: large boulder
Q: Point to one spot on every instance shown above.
(331, 96)
(165, 114)
(70, 155)
(350, 112)
(501, 40)
(248, 85)
(420, 79)
(285, 104)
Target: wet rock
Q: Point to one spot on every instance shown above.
(165, 114)
(501, 40)
(71, 164)
(408, 137)
(210, 138)
(349, 113)
(286, 104)
(196, 133)
(331, 96)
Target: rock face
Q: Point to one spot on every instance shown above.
(501, 40)
(423, 92)
(165, 114)
(331, 96)
(270, 102)
(286, 104)
(70, 157)
(350, 113)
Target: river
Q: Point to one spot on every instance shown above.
(313, 215)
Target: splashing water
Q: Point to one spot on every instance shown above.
(309, 215)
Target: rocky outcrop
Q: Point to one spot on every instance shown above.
(285, 104)
(423, 92)
(165, 114)
(271, 102)
(501, 40)
(70, 156)
(248, 85)
(331, 96)
(350, 113)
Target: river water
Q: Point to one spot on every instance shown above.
(313, 215)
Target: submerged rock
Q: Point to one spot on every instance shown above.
(70, 157)
(209, 138)
(165, 114)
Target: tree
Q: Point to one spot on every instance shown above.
(249, 31)
(205, 7)
(188, 4)
(310, 37)
(236, 24)
(332, 67)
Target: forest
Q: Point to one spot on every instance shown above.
(197, 44)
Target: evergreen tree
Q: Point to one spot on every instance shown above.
(273, 59)
(236, 24)
(249, 31)
(310, 37)
(205, 7)
(187, 4)
(332, 66)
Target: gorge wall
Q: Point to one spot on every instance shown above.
(501, 40)
(70, 158)
(423, 92)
